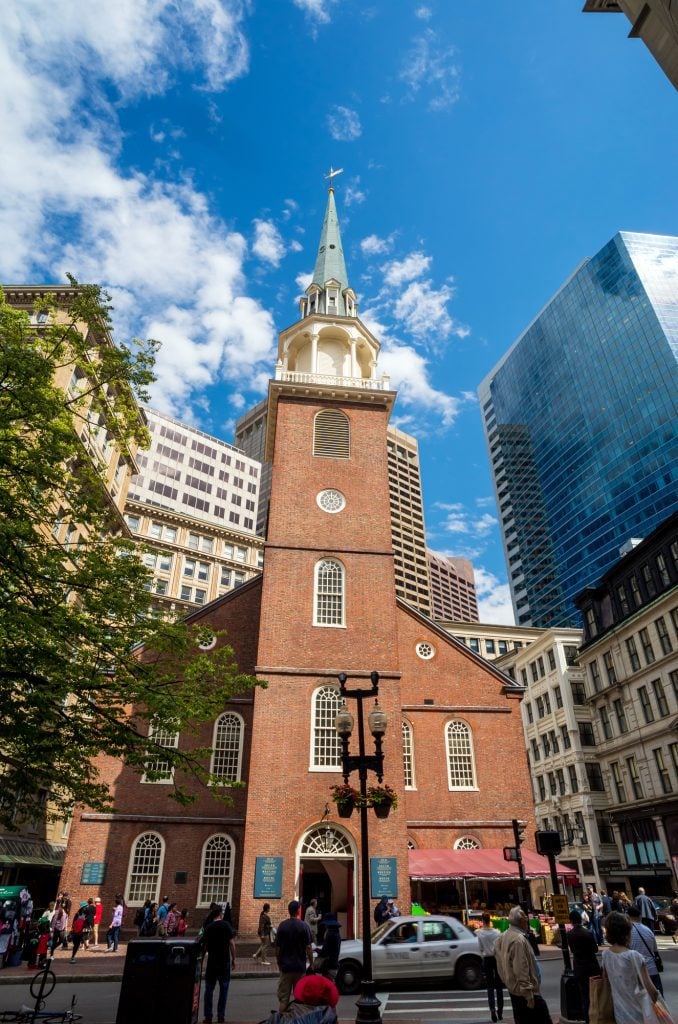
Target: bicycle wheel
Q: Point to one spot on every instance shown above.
(50, 982)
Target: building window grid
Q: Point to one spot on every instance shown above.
(662, 770)
(461, 769)
(663, 634)
(634, 776)
(648, 649)
(609, 668)
(595, 675)
(660, 697)
(605, 721)
(633, 653)
(408, 755)
(326, 745)
(645, 704)
(216, 873)
(618, 782)
(162, 737)
(621, 716)
(144, 877)
(227, 749)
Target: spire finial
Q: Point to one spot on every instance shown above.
(333, 174)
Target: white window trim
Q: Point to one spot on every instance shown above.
(408, 725)
(316, 570)
(156, 897)
(229, 895)
(312, 766)
(460, 789)
(241, 721)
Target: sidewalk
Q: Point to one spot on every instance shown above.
(97, 965)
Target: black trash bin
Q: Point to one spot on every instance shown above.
(161, 982)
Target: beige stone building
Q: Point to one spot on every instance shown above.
(653, 21)
(488, 640)
(630, 657)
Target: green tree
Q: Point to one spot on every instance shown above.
(85, 668)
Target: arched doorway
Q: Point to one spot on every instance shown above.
(326, 857)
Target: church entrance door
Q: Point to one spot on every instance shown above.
(327, 873)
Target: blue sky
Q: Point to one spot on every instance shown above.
(176, 152)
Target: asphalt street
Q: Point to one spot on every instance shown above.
(251, 999)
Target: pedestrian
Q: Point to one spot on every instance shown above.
(615, 903)
(98, 913)
(163, 910)
(78, 930)
(90, 911)
(607, 903)
(264, 934)
(518, 970)
(393, 910)
(59, 927)
(311, 917)
(597, 915)
(584, 960)
(113, 933)
(644, 942)
(648, 913)
(381, 911)
(314, 990)
(625, 968)
(294, 953)
(220, 948)
(487, 939)
(327, 960)
(172, 919)
(49, 913)
(183, 922)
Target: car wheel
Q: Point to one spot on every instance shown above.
(662, 927)
(469, 972)
(349, 977)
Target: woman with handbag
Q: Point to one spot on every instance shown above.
(626, 972)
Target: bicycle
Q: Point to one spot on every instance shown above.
(42, 985)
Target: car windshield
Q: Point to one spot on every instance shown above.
(662, 903)
(382, 929)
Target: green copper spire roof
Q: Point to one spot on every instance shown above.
(330, 260)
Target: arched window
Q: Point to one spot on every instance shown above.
(326, 841)
(328, 604)
(331, 435)
(466, 843)
(216, 871)
(408, 755)
(325, 742)
(460, 766)
(156, 768)
(227, 747)
(145, 868)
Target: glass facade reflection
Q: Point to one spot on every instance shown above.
(581, 420)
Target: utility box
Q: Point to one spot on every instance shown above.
(161, 982)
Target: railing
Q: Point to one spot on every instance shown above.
(369, 384)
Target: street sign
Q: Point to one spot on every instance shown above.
(561, 909)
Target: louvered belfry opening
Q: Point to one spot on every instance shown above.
(331, 435)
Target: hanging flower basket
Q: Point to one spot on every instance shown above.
(346, 798)
(383, 808)
(382, 799)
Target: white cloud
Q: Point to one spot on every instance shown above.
(375, 246)
(494, 599)
(344, 124)
(409, 374)
(432, 69)
(317, 11)
(303, 280)
(423, 13)
(423, 309)
(268, 244)
(398, 271)
(290, 206)
(460, 520)
(295, 246)
(353, 194)
(176, 272)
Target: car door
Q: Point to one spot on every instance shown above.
(439, 946)
(398, 953)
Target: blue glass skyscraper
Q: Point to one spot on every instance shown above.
(581, 421)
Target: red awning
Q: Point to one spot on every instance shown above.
(436, 865)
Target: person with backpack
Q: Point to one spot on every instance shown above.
(79, 930)
(59, 927)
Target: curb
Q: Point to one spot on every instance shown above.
(80, 979)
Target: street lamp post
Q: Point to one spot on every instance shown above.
(368, 1004)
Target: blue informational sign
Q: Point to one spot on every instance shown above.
(268, 878)
(383, 877)
(93, 872)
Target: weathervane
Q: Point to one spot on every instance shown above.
(333, 174)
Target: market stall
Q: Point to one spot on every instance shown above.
(467, 882)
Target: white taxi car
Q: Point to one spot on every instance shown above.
(414, 949)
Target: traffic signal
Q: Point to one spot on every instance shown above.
(518, 832)
(510, 853)
(548, 842)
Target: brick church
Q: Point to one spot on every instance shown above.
(325, 604)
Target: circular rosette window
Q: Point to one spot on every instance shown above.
(425, 650)
(331, 501)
